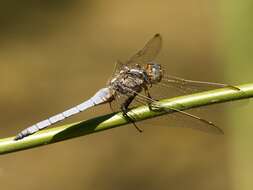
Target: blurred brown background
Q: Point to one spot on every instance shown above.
(55, 54)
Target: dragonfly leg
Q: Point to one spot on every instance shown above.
(150, 98)
(124, 109)
(110, 104)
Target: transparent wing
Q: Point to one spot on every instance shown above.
(171, 86)
(193, 84)
(180, 120)
(117, 67)
(186, 119)
(148, 53)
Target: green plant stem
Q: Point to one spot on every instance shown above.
(112, 120)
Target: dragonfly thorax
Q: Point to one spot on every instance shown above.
(129, 80)
(154, 72)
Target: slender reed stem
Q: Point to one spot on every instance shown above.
(112, 120)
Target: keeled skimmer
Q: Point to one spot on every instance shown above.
(132, 82)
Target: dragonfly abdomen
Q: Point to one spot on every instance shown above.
(102, 96)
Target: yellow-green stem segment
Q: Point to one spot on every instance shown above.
(112, 120)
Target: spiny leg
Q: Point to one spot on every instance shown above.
(149, 101)
(124, 109)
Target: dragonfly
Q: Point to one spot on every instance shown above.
(132, 83)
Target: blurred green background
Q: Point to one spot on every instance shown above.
(55, 54)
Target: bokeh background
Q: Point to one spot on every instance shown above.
(55, 54)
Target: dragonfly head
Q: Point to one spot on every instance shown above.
(154, 72)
